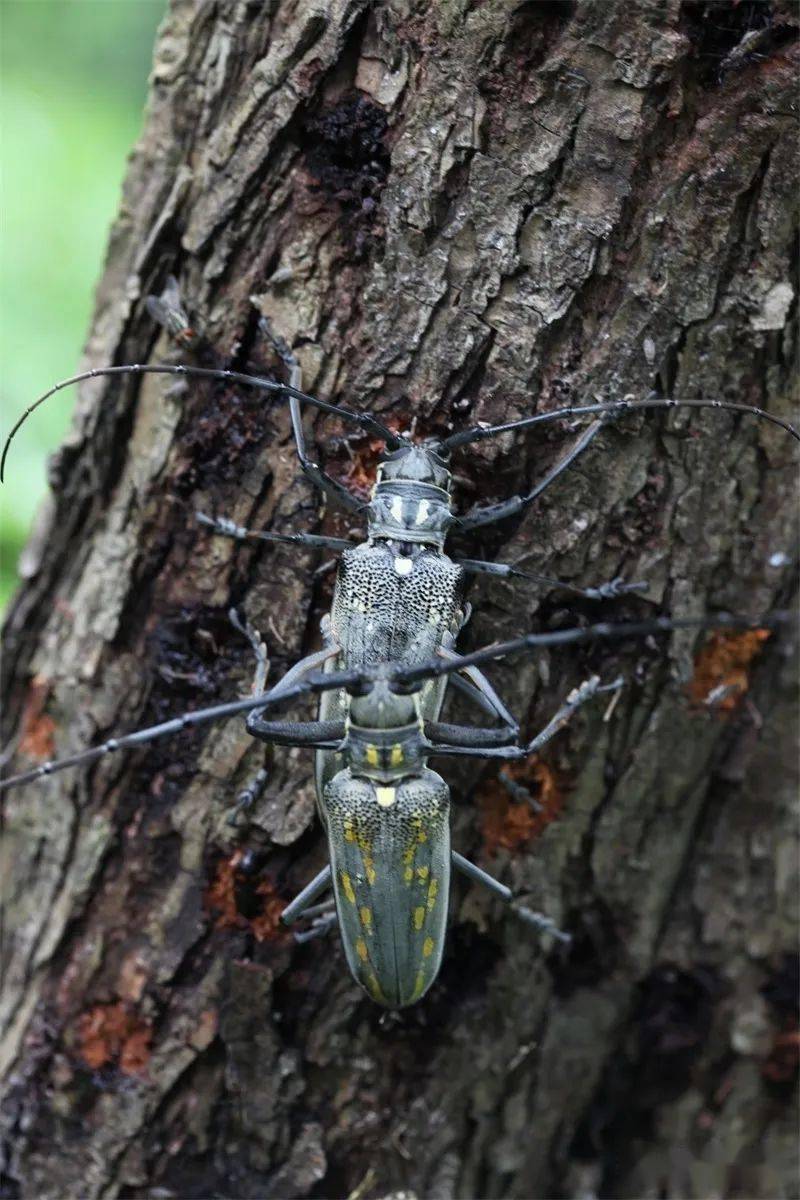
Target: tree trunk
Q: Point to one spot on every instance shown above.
(454, 212)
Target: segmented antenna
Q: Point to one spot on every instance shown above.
(365, 421)
(400, 678)
(610, 407)
(409, 677)
(319, 682)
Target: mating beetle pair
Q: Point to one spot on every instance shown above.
(382, 673)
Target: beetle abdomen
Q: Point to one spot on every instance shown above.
(390, 857)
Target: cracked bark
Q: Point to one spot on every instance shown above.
(454, 214)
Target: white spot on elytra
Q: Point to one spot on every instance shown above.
(403, 566)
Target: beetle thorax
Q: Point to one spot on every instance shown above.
(384, 709)
(411, 498)
(385, 755)
(384, 734)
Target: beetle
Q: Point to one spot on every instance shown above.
(398, 601)
(385, 813)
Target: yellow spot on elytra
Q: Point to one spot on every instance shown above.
(423, 873)
(422, 836)
(372, 755)
(348, 887)
(364, 843)
(369, 868)
(427, 947)
(433, 891)
(396, 757)
(363, 840)
(375, 988)
(361, 949)
(408, 874)
(419, 917)
(366, 917)
(419, 986)
(408, 855)
(385, 796)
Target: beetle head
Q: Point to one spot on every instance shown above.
(411, 498)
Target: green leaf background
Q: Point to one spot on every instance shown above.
(73, 81)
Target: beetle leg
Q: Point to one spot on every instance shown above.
(489, 699)
(537, 919)
(306, 898)
(441, 736)
(604, 591)
(224, 527)
(477, 746)
(319, 927)
(258, 727)
(578, 696)
(477, 697)
(306, 665)
(259, 649)
(320, 478)
(480, 876)
(318, 735)
(541, 922)
(517, 791)
(488, 514)
(247, 797)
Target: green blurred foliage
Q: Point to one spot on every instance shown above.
(73, 82)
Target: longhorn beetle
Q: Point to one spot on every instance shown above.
(385, 813)
(398, 606)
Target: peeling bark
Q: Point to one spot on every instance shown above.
(453, 212)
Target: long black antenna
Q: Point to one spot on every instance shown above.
(479, 432)
(318, 682)
(409, 677)
(399, 677)
(365, 421)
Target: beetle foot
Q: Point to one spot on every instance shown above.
(616, 587)
(542, 923)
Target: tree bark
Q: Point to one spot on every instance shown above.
(454, 212)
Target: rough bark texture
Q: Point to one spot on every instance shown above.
(453, 211)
